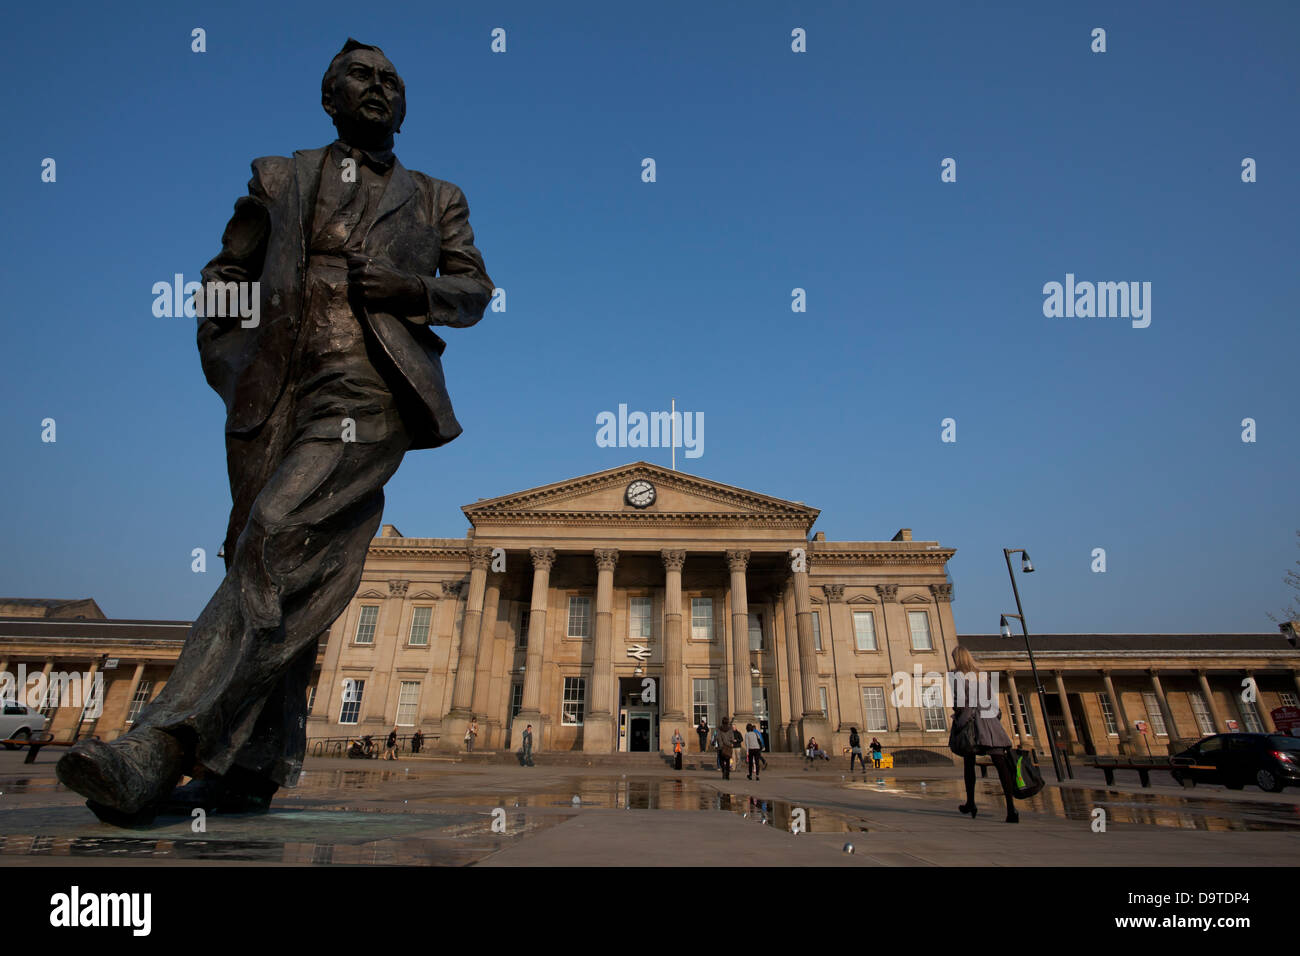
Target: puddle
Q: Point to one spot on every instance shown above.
(356, 838)
(1150, 809)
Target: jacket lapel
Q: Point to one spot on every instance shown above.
(308, 167)
(401, 187)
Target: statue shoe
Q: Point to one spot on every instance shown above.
(127, 776)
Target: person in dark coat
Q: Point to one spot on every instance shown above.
(855, 750)
(417, 741)
(990, 738)
(703, 730)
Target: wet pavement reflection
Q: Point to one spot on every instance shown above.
(1077, 804)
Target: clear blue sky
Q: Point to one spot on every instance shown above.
(775, 171)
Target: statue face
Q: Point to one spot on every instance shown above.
(367, 92)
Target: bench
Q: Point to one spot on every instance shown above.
(1143, 766)
(34, 744)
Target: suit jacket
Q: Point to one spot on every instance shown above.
(421, 227)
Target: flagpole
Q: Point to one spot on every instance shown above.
(672, 417)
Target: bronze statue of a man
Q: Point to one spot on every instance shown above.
(356, 257)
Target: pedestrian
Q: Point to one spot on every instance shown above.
(703, 731)
(715, 741)
(726, 744)
(470, 733)
(876, 750)
(527, 752)
(990, 738)
(417, 741)
(754, 750)
(678, 743)
(855, 750)
(390, 745)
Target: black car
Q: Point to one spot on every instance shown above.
(1270, 761)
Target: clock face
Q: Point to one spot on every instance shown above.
(640, 494)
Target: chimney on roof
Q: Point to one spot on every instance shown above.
(389, 531)
(904, 534)
(820, 536)
(1291, 631)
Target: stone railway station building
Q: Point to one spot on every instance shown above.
(613, 609)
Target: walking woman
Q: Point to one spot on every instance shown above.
(990, 739)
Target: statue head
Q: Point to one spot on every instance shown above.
(364, 96)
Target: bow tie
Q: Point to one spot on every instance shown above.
(381, 161)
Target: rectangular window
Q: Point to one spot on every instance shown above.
(759, 696)
(353, 691)
(1250, 718)
(934, 716)
(51, 702)
(1288, 699)
(864, 631)
(873, 706)
(1107, 713)
(1156, 718)
(821, 698)
(575, 701)
(817, 631)
(408, 700)
(1029, 716)
(522, 640)
(580, 617)
(705, 701)
(311, 698)
(1201, 711)
(755, 631)
(516, 699)
(639, 619)
(366, 624)
(421, 617)
(141, 698)
(702, 619)
(919, 622)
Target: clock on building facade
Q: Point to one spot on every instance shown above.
(640, 494)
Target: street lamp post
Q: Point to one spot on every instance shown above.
(1027, 567)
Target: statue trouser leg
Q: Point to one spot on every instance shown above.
(238, 692)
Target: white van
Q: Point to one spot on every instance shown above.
(19, 722)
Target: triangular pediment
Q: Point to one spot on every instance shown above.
(862, 599)
(605, 493)
(914, 599)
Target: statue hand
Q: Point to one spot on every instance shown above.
(378, 282)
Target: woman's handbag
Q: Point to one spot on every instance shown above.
(964, 739)
(1026, 778)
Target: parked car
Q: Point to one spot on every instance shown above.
(19, 722)
(1270, 761)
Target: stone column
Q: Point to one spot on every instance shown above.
(1121, 718)
(489, 731)
(462, 695)
(1219, 725)
(1021, 717)
(742, 708)
(674, 716)
(598, 725)
(792, 662)
(1072, 739)
(812, 724)
(1295, 677)
(530, 706)
(1171, 728)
